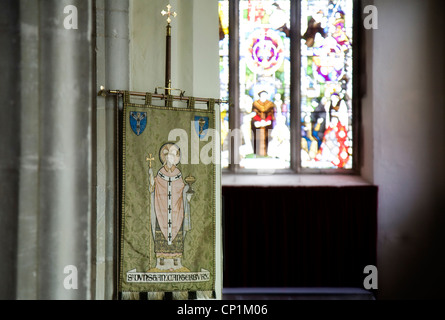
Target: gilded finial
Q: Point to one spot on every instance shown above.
(169, 13)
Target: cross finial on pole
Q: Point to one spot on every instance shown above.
(169, 13)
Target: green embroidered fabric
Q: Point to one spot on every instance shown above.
(149, 262)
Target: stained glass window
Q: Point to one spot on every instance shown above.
(224, 78)
(321, 130)
(264, 77)
(326, 84)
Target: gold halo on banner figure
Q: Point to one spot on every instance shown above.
(170, 150)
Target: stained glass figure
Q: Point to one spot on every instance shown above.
(261, 123)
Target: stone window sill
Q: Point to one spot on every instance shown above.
(292, 180)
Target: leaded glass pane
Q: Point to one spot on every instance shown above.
(264, 71)
(326, 84)
(224, 78)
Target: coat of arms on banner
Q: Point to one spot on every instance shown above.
(138, 122)
(167, 240)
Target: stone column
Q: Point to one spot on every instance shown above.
(112, 48)
(66, 134)
(10, 127)
(29, 160)
(48, 151)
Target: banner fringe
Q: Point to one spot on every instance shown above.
(130, 296)
(179, 295)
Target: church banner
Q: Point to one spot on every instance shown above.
(167, 236)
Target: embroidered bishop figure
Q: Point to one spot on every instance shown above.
(169, 210)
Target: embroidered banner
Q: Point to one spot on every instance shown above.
(167, 240)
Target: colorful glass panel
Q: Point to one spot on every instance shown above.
(224, 78)
(326, 89)
(326, 84)
(264, 71)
